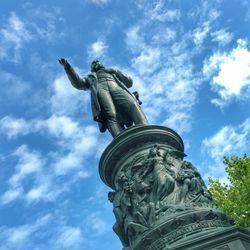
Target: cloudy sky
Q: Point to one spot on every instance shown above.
(190, 61)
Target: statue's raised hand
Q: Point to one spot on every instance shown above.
(63, 62)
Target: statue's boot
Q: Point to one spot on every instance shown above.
(114, 128)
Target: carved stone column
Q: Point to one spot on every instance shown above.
(159, 200)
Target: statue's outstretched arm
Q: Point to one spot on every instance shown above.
(76, 81)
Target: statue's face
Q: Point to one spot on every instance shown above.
(111, 196)
(96, 65)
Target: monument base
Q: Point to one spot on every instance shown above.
(232, 238)
(160, 201)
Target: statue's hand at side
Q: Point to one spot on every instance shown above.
(63, 62)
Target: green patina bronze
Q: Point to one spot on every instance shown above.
(113, 106)
(160, 201)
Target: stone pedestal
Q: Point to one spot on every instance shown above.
(159, 200)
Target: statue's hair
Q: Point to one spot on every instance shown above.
(95, 61)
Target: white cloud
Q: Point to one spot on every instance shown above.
(201, 33)
(167, 84)
(66, 163)
(82, 174)
(228, 141)
(159, 11)
(17, 32)
(97, 50)
(61, 126)
(179, 120)
(21, 234)
(148, 61)
(79, 143)
(58, 126)
(43, 192)
(134, 38)
(29, 163)
(45, 23)
(13, 36)
(96, 223)
(229, 72)
(69, 237)
(246, 5)
(37, 192)
(46, 232)
(20, 237)
(16, 93)
(65, 99)
(172, 90)
(11, 195)
(165, 35)
(73, 145)
(162, 15)
(222, 37)
(13, 88)
(13, 127)
(79, 149)
(206, 15)
(164, 60)
(100, 2)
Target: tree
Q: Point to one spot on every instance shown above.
(234, 198)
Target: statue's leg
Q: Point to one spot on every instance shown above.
(128, 105)
(137, 114)
(109, 111)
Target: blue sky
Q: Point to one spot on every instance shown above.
(190, 61)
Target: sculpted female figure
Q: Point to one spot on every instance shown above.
(163, 181)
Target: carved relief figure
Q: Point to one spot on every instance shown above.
(118, 227)
(163, 181)
(133, 213)
(152, 184)
(192, 187)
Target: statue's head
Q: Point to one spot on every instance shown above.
(96, 65)
(111, 196)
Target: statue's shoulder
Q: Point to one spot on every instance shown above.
(91, 80)
(124, 78)
(92, 75)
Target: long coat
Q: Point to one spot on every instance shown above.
(91, 83)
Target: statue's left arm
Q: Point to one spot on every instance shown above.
(124, 78)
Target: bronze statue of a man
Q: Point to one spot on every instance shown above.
(113, 106)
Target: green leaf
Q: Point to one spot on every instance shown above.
(234, 199)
